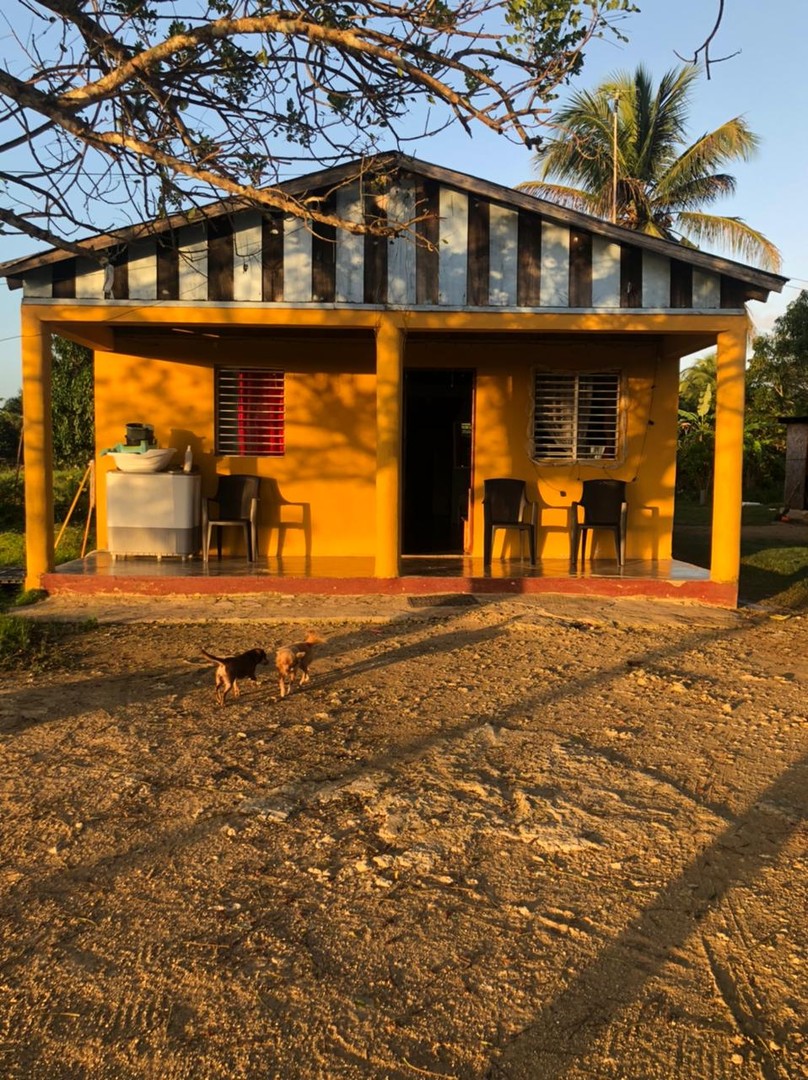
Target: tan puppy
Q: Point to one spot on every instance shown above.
(291, 659)
(232, 668)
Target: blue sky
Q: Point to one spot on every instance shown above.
(767, 83)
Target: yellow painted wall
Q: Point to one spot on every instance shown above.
(330, 458)
(502, 436)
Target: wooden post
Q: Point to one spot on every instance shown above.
(73, 505)
(90, 510)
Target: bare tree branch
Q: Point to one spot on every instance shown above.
(26, 225)
(705, 46)
(201, 99)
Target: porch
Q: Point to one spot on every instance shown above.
(422, 576)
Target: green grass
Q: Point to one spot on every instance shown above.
(26, 597)
(774, 570)
(66, 483)
(23, 643)
(29, 644)
(693, 514)
(12, 545)
(775, 576)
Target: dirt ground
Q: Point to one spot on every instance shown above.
(524, 839)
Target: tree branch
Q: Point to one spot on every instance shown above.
(705, 46)
(228, 104)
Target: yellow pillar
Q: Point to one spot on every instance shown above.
(389, 400)
(725, 561)
(38, 447)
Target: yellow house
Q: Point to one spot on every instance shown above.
(377, 383)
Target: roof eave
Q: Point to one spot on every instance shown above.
(14, 270)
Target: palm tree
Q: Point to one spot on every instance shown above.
(658, 184)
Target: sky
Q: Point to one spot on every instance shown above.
(765, 82)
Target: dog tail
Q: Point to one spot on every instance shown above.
(210, 656)
(313, 639)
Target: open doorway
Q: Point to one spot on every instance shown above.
(437, 459)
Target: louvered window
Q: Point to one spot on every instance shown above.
(249, 412)
(575, 416)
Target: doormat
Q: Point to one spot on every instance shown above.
(443, 600)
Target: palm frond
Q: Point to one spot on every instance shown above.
(692, 194)
(574, 198)
(661, 118)
(732, 141)
(652, 228)
(733, 235)
(663, 184)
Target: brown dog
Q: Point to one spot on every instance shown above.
(290, 659)
(233, 668)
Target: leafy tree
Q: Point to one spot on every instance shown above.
(693, 382)
(157, 104)
(777, 386)
(73, 404)
(662, 183)
(778, 370)
(696, 443)
(763, 459)
(10, 428)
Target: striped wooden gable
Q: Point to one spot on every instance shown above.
(471, 250)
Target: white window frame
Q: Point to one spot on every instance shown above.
(576, 417)
(250, 412)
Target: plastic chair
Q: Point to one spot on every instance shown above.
(236, 501)
(505, 504)
(603, 506)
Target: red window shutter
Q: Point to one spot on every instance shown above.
(250, 412)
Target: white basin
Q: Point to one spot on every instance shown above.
(148, 461)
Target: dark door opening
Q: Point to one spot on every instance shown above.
(437, 460)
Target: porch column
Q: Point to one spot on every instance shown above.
(389, 402)
(38, 447)
(725, 560)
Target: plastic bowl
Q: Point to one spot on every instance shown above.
(148, 461)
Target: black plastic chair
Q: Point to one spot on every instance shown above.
(236, 503)
(505, 504)
(602, 506)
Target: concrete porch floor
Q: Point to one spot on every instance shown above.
(100, 572)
